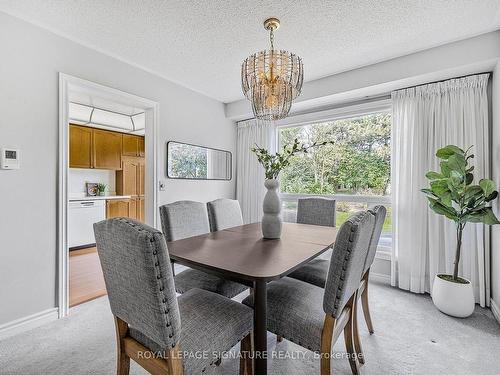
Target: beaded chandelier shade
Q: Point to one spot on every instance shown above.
(272, 79)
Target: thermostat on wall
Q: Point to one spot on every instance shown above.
(10, 159)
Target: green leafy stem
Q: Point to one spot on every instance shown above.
(274, 164)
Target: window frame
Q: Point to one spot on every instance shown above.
(334, 114)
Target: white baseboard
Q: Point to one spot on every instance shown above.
(28, 322)
(380, 277)
(495, 310)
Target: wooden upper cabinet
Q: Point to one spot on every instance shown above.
(107, 149)
(142, 148)
(80, 147)
(133, 145)
(130, 145)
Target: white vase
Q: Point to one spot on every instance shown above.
(271, 221)
(452, 298)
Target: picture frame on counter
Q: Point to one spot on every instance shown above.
(91, 189)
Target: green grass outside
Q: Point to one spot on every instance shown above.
(342, 216)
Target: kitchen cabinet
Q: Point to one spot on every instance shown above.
(140, 177)
(126, 178)
(130, 181)
(80, 147)
(133, 145)
(94, 148)
(119, 208)
(133, 209)
(130, 145)
(107, 149)
(140, 209)
(142, 148)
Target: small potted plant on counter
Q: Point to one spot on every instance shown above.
(273, 165)
(453, 195)
(101, 189)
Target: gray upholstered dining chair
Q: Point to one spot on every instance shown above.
(184, 219)
(314, 317)
(153, 326)
(316, 271)
(224, 213)
(316, 211)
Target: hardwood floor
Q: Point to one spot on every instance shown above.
(86, 281)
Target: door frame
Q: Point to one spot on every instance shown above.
(66, 82)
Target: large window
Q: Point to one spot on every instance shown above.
(355, 169)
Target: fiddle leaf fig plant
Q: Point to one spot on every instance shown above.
(452, 194)
(274, 164)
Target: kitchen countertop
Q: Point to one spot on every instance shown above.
(99, 198)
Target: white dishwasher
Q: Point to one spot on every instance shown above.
(81, 217)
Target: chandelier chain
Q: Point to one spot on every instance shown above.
(271, 38)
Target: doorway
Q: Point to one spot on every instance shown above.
(107, 168)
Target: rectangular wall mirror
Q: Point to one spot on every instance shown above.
(186, 161)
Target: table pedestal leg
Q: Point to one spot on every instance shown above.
(260, 327)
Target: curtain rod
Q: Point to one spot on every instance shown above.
(381, 96)
(443, 80)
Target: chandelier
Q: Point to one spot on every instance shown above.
(272, 79)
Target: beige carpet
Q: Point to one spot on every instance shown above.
(411, 337)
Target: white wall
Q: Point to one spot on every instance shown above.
(30, 60)
(495, 153)
(78, 177)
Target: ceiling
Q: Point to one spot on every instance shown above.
(201, 44)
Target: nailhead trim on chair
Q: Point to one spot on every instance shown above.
(161, 287)
(354, 229)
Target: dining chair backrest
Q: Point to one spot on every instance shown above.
(316, 211)
(183, 219)
(138, 276)
(379, 212)
(224, 213)
(348, 259)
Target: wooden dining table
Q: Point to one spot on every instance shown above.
(242, 255)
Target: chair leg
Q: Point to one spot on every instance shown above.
(122, 360)
(355, 332)
(349, 345)
(246, 360)
(366, 308)
(326, 344)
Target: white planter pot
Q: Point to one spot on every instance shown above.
(454, 299)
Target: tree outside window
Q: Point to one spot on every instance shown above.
(357, 163)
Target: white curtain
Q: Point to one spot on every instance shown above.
(250, 178)
(426, 118)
